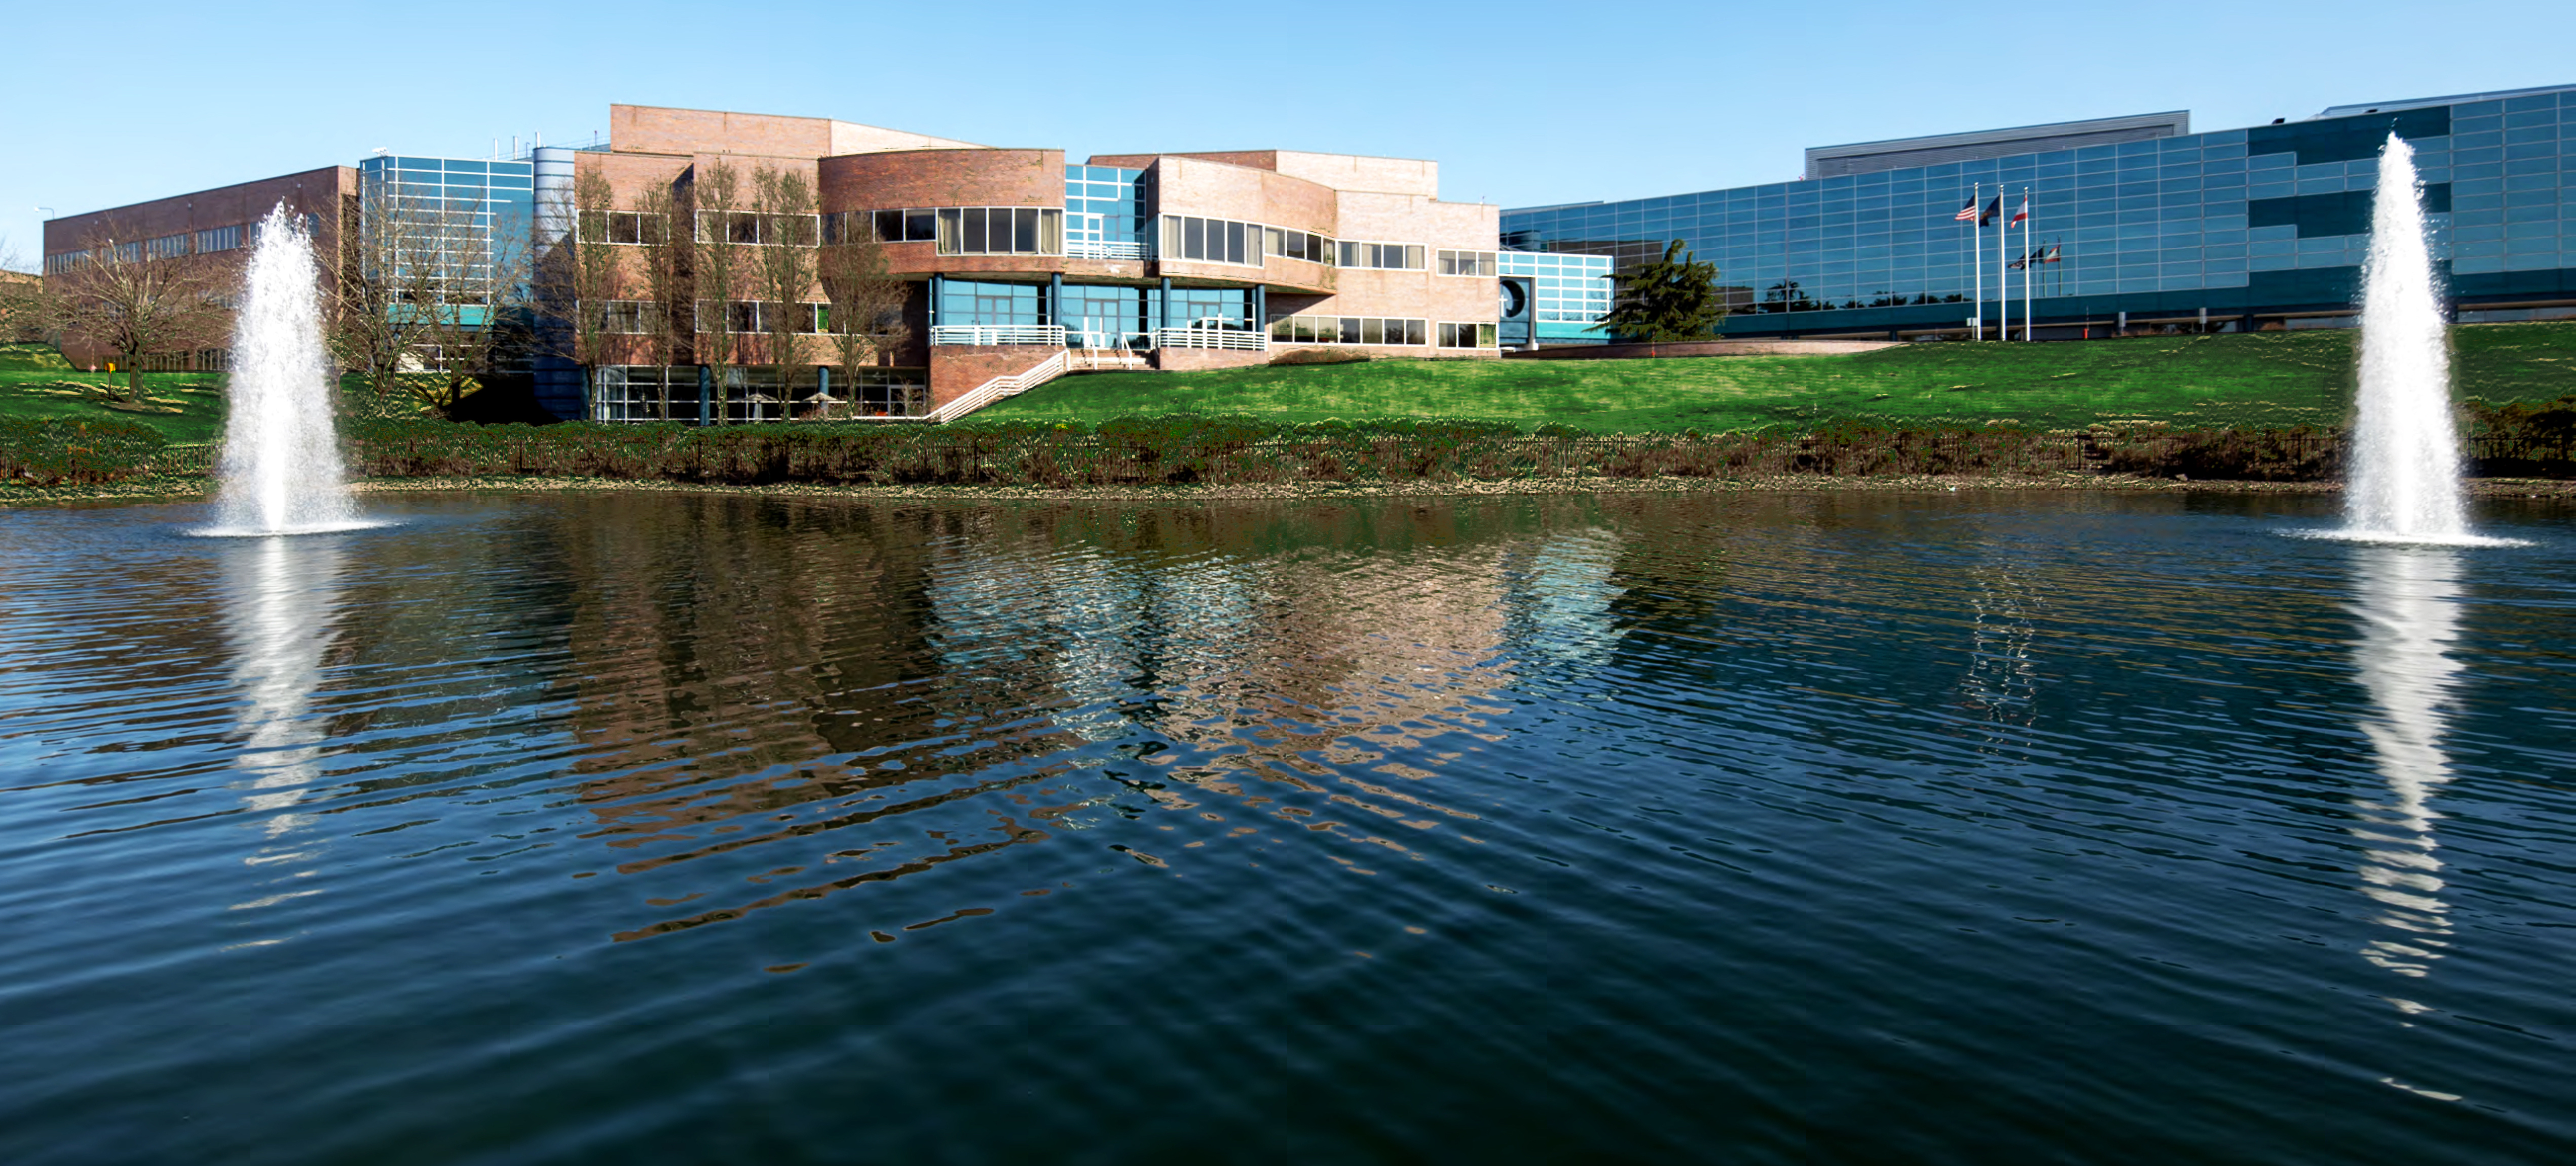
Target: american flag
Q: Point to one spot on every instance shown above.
(1967, 212)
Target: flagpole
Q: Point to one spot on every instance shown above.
(2028, 323)
(2003, 276)
(1977, 232)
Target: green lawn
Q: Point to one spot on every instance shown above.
(186, 406)
(2263, 379)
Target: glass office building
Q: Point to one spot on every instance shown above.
(2261, 227)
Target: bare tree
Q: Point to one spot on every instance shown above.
(578, 276)
(667, 319)
(395, 251)
(867, 300)
(721, 230)
(783, 204)
(24, 317)
(116, 293)
(476, 316)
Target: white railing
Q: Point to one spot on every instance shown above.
(1000, 387)
(992, 334)
(1213, 338)
(1133, 341)
(1088, 249)
(1094, 359)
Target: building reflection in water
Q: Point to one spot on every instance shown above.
(754, 675)
(281, 597)
(2406, 599)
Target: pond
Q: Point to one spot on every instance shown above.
(1836, 827)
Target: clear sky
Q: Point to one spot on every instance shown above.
(1522, 104)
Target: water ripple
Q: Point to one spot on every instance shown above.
(1812, 827)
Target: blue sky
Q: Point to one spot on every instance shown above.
(1522, 104)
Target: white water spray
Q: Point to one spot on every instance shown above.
(281, 465)
(2404, 481)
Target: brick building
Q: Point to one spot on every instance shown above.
(1017, 257)
(220, 223)
(1015, 261)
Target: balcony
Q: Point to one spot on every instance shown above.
(1051, 335)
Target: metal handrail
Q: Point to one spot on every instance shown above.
(1003, 386)
(1090, 249)
(998, 334)
(1238, 340)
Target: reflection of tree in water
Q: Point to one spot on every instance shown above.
(753, 672)
(2406, 600)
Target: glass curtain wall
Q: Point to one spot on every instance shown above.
(2235, 220)
(1105, 212)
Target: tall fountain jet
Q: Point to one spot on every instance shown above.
(281, 467)
(2404, 483)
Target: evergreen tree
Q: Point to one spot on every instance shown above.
(1673, 298)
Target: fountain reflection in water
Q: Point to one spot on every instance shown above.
(281, 467)
(280, 594)
(2407, 602)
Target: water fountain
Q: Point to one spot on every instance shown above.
(2404, 479)
(281, 468)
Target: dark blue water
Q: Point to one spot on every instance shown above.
(1751, 829)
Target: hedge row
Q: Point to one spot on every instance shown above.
(1193, 449)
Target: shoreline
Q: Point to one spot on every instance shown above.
(1754, 484)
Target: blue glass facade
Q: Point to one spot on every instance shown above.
(456, 210)
(2244, 222)
(1106, 211)
(1569, 293)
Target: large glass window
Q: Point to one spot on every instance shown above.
(987, 303)
(1386, 256)
(1212, 240)
(1359, 330)
(1468, 263)
(999, 230)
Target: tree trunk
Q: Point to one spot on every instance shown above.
(133, 379)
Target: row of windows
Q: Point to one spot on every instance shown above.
(643, 317)
(205, 242)
(1212, 240)
(1350, 330)
(1466, 335)
(1386, 256)
(755, 229)
(1468, 263)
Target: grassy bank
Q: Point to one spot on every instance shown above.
(181, 406)
(2266, 380)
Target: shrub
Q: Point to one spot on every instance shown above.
(66, 452)
(1320, 356)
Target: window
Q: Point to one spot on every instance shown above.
(1300, 245)
(166, 247)
(1359, 330)
(1466, 336)
(1385, 256)
(629, 317)
(1468, 263)
(1213, 240)
(999, 230)
(65, 261)
(751, 229)
(622, 227)
(755, 316)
